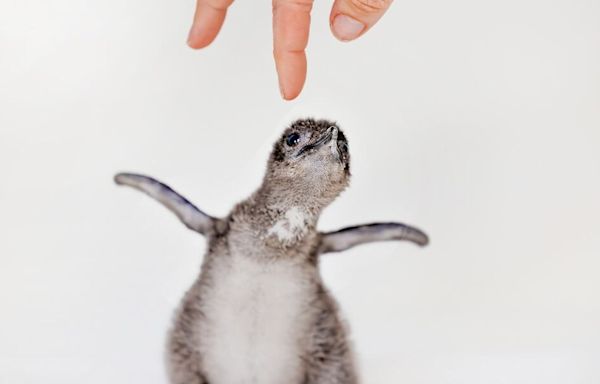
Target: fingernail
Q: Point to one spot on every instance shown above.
(346, 28)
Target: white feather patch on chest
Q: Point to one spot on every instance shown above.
(255, 320)
(291, 226)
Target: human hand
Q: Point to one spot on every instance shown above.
(348, 20)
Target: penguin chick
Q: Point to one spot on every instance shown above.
(259, 312)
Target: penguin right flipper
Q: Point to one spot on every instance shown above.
(346, 238)
(188, 213)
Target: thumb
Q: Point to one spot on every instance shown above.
(349, 19)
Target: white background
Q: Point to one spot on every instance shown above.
(477, 121)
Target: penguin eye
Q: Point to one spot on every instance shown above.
(293, 139)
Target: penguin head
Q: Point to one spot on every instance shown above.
(311, 157)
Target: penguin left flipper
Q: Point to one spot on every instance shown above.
(349, 237)
(188, 213)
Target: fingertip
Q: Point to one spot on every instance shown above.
(290, 91)
(207, 24)
(291, 96)
(196, 42)
(291, 73)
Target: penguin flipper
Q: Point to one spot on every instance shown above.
(349, 237)
(188, 213)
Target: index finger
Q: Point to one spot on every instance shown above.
(291, 22)
(208, 20)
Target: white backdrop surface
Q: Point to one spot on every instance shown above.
(477, 121)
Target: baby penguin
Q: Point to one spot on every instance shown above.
(259, 312)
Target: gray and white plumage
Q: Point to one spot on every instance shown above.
(259, 311)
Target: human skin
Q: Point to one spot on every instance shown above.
(349, 19)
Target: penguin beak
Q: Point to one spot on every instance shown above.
(322, 140)
(337, 141)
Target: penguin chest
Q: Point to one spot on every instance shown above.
(257, 318)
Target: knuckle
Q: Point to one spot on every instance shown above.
(371, 6)
(303, 5)
(219, 4)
